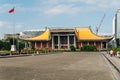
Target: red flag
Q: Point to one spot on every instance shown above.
(11, 10)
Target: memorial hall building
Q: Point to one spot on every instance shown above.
(63, 38)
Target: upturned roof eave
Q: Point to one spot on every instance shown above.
(95, 39)
(39, 37)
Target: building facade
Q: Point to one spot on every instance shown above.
(30, 33)
(63, 38)
(116, 28)
(7, 36)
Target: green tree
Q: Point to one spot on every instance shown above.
(20, 45)
(6, 45)
(11, 40)
(1, 44)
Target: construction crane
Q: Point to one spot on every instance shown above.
(97, 28)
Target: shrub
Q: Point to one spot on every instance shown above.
(44, 50)
(118, 49)
(72, 48)
(6, 46)
(88, 48)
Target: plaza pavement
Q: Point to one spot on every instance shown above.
(62, 66)
(115, 62)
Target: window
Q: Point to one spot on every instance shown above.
(55, 39)
(71, 39)
(63, 39)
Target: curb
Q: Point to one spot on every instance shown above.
(11, 56)
(111, 62)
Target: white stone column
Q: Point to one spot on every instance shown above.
(59, 42)
(29, 44)
(94, 43)
(41, 45)
(26, 45)
(52, 42)
(74, 41)
(35, 45)
(47, 45)
(81, 44)
(87, 43)
(68, 42)
(106, 45)
(101, 45)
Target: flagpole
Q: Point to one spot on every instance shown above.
(13, 47)
(12, 11)
(13, 33)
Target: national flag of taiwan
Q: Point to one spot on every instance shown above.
(11, 10)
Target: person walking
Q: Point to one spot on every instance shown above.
(111, 53)
(114, 52)
(118, 54)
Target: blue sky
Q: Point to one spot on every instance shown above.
(38, 14)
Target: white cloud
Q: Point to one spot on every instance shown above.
(99, 4)
(26, 9)
(3, 24)
(3, 8)
(51, 2)
(57, 7)
(18, 25)
(8, 25)
(69, 9)
(62, 9)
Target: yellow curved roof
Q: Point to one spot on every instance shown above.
(44, 36)
(81, 34)
(87, 34)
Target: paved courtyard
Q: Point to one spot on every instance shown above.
(62, 66)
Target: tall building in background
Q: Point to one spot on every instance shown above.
(116, 28)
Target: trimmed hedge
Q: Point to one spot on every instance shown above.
(88, 48)
(116, 49)
(44, 50)
(72, 48)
